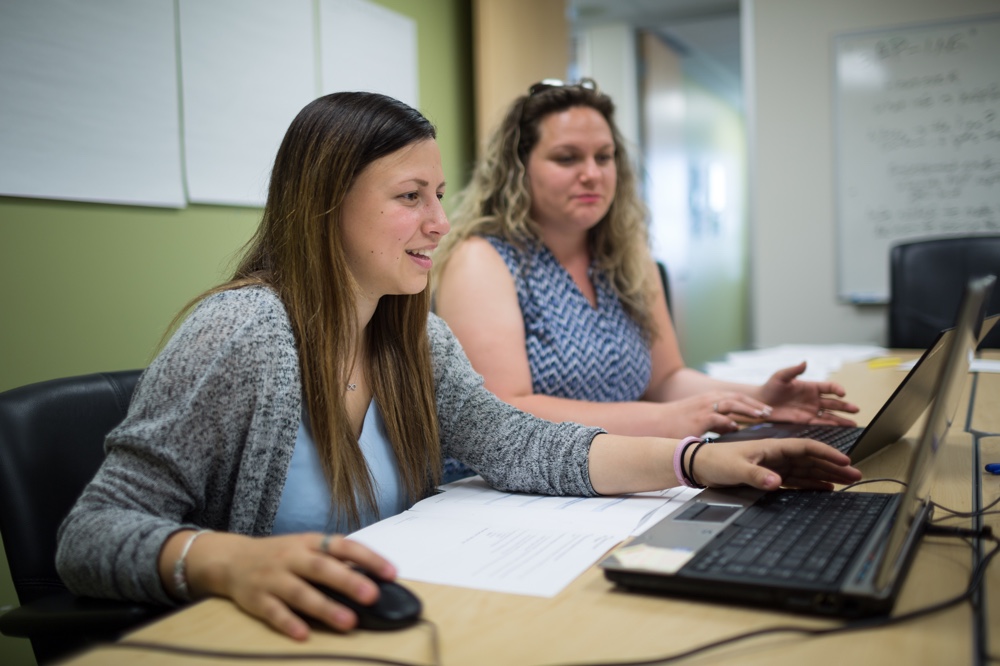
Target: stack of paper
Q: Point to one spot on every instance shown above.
(473, 536)
(755, 367)
(977, 365)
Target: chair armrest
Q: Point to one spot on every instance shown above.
(65, 614)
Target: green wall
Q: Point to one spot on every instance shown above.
(92, 287)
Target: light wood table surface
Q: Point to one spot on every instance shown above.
(592, 622)
(989, 448)
(986, 410)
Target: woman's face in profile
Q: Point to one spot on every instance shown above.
(392, 219)
(571, 170)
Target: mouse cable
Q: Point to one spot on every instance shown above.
(952, 513)
(975, 581)
(984, 511)
(278, 656)
(973, 514)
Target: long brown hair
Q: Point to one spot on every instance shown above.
(297, 250)
(496, 202)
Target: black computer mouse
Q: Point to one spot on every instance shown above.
(396, 608)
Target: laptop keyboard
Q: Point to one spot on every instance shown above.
(789, 536)
(839, 437)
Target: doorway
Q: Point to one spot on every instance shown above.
(690, 130)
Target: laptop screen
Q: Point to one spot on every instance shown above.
(919, 387)
(950, 384)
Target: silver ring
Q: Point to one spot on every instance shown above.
(324, 545)
(820, 412)
(715, 407)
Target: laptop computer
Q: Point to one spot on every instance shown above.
(893, 420)
(842, 554)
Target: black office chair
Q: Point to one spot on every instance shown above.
(665, 279)
(926, 280)
(51, 444)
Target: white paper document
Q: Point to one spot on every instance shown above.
(977, 365)
(473, 536)
(756, 366)
(984, 365)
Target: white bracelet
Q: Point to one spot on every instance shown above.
(180, 568)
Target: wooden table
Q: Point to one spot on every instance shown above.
(989, 448)
(986, 407)
(985, 422)
(592, 622)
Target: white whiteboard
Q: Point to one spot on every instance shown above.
(917, 132)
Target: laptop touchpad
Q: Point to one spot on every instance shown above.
(709, 513)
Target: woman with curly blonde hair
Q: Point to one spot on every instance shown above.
(548, 282)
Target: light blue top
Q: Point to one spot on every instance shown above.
(211, 430)
(305, 500)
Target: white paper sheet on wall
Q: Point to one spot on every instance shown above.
(88, 101)
(90, 107)
(248, 67)
(364, 46)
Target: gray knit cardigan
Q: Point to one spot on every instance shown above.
(210, 432)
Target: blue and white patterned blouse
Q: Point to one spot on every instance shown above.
(575, 350)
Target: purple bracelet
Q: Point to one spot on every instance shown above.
(679, 460)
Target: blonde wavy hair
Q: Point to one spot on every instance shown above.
(298, 252)
(496, 202)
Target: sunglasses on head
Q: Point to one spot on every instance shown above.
(548, 84)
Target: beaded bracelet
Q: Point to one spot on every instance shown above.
(180, 568)
(679, 462)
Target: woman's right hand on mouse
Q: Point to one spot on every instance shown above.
(269, 577)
